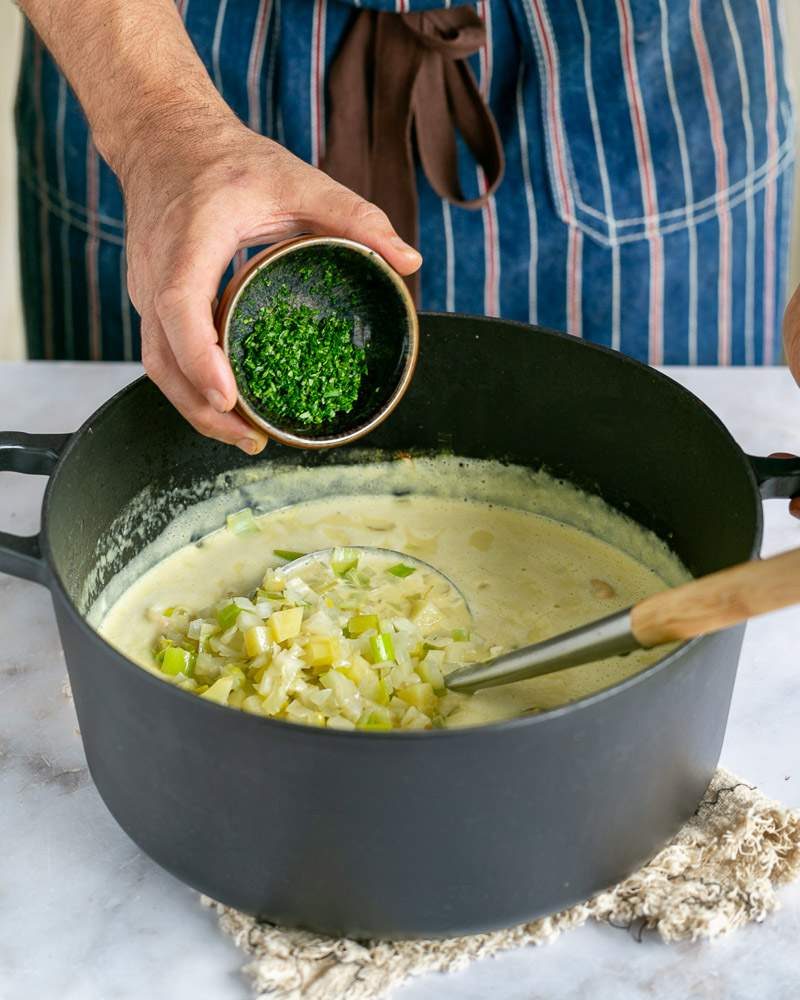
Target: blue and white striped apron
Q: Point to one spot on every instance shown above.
(646, 201)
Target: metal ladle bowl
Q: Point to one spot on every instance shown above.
(458, 603)
(365, 290)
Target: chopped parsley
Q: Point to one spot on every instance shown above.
(300, 365)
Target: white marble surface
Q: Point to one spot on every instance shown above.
(85, 916)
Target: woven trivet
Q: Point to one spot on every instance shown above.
(719, 872)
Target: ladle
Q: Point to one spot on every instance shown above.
(704, 605)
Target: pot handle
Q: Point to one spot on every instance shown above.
(778, 478)
(33, 455)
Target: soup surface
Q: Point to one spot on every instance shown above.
(531, 555)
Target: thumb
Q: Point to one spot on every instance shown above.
(334, 210)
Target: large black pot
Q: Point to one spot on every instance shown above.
(409, 834)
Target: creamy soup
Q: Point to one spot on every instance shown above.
(491, 529)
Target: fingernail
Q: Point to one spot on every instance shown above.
(405, 249)
(217, 400)
(252, 446)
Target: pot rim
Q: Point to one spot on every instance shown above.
(298, 730)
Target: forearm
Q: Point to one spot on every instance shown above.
(134, 70)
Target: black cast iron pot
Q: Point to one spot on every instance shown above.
(410, 834)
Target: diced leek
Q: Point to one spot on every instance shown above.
(219, 691)
(431, 673)
(375, 720)
(242, 522)
(381, 647)
(288, 554)
(343, 560)
(256, 640)
(286, 624)
(359, 624)
(421, 696)
(460, 635)
(177, 661)
(227, 616)
(401, 570)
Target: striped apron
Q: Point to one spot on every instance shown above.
(647, 192)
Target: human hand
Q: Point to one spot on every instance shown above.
(190, 205)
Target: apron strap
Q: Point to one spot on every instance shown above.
(401, 78)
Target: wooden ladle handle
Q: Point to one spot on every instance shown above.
(716, 601)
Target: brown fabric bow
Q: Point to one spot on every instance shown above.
(399, 78)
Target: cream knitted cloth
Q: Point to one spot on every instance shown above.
(720, 872)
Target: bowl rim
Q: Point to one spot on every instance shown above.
(247, 273)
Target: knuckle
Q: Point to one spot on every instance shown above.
(204, 423)
(168, 299)
(364, 212)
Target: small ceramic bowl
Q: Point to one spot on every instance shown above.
(367, 291)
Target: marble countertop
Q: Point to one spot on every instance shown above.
(85, 916)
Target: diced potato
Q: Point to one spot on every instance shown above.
(256, 640)
(320, 652)
(286, 624)
(219, 691)
(421, 696)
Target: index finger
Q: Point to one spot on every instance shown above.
(184, 306)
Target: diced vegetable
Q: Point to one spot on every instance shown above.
(286, 624)
(421, 696)
(343, 560)
(177, 661)
(256, 640)
(401, 570)
(320, 652)
(226, 617)
(288, 554)
(414, 719)
(359, 624)
(376, 720)
(242, 522)
(346, 643)
(219, 691)
(381, 647)
(426, 616)
(431, 673)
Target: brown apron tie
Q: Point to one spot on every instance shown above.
(399, 78)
